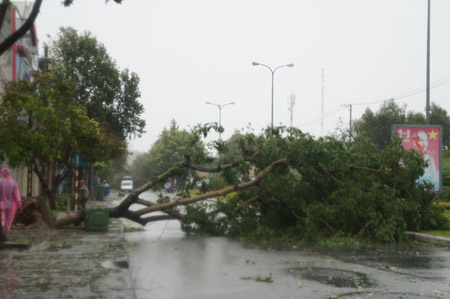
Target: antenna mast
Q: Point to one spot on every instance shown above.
(291, 103)
(323, 89)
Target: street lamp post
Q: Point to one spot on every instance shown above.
(427, 108)
(220, 114)
(273, 73)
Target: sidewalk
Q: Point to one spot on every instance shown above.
(70, 263)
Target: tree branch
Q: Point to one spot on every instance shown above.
(220, 168)
(10, 40)
(283, 203)
(159, 218)
(222, 192)
(326, 223)
(365, 168)
(151, 204)
(3, 9)
(222, 218)
(134, 196)
(247, 202)
(332, 176)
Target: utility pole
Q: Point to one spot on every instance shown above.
(428, 67)
(350, 129)
(46, 62)
(323, 89)
(291, 103)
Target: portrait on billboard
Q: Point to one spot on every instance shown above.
(427, 140)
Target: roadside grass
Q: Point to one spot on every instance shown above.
(441, 233)
(19, 240)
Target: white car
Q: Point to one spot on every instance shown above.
(126, 186)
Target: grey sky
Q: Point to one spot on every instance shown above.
(190, 52)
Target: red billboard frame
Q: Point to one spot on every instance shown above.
(427, 140)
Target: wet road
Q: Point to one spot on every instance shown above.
(164, 263)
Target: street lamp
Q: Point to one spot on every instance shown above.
(273, 73)
(220, 114)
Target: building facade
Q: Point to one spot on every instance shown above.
(20, 62)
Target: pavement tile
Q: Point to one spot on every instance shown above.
(69, 263)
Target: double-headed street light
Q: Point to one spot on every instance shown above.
(220, 114)
(273, 73)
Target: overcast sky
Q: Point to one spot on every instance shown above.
(187, 52)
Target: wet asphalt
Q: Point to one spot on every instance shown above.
(165, 263)
(161, 262)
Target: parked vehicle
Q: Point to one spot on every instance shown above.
(126, 184)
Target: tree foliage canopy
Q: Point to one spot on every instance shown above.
(42, 123)
(284, 184)
(323, 189)
(377, 125)
(110, 95)
(170, 148)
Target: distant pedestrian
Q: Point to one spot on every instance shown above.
(84, 193)
(106, 187)
(10, 201)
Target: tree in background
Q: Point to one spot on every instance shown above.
(439, 116)
(233, 145)
(377, 125)
(112, 170)
(109, 95)
(170, 148)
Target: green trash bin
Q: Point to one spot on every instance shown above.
(100, 193)
(97, 219)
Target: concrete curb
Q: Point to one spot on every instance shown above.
(438, 240)
(13, 245)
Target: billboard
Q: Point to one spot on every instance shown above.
(427, 140)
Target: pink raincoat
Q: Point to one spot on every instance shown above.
(9, 199)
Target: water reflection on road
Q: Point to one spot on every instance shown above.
(164, 263)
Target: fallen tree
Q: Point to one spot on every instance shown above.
(122, 210)
(302, 188)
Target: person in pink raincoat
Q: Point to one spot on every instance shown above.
(10, 201)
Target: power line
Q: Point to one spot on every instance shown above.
(440, 82)
(323, 91)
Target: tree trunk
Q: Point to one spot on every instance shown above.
(43, 206)
(70, 217)
(51, 195)
(45, 211)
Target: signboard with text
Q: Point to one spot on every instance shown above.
(427, 140)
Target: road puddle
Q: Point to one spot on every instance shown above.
(335, 277)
